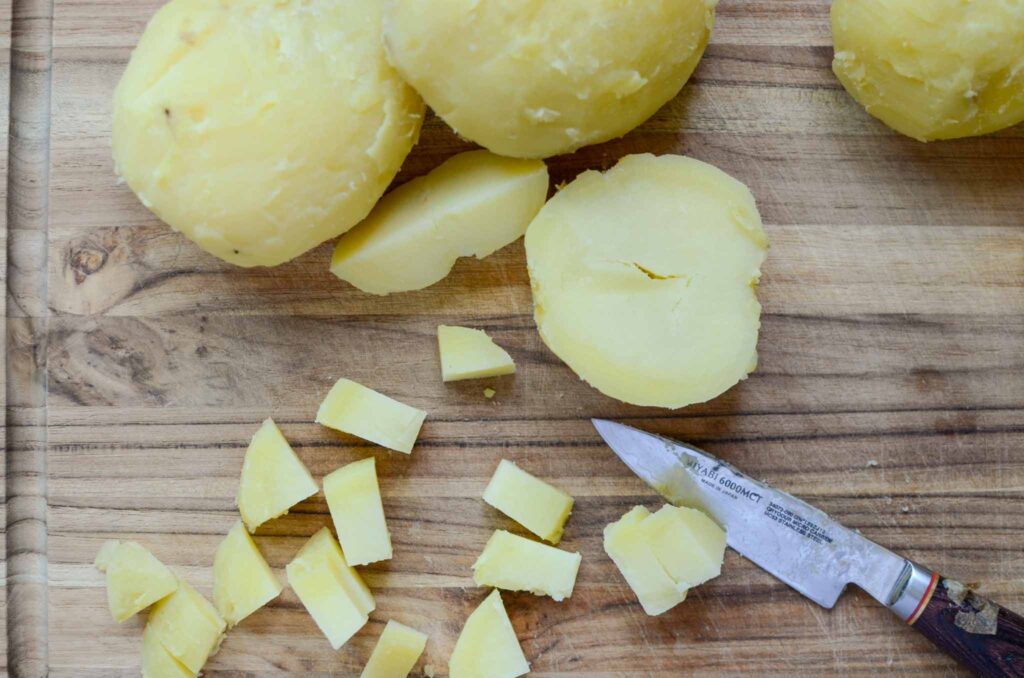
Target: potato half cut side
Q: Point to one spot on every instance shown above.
(644, 279)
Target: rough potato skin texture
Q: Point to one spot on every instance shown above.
(261, 129)
(940, 69)
(536, 78)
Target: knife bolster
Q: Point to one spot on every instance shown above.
(912, 593)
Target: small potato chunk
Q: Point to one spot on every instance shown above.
(273, 478)
(471, 354)
(330, 589)
(663, 555)
(536, 505)
(515, 563)
(940, 70)
(353, 497)
(242, 580)
(396, 652)
(644, 279)
(473, 204)
(135, 578)
(352, 408)
(187, 626)
(487, 646)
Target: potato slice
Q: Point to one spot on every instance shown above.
(135, 578)
(943, 70)
(187, 626)
(396, 652)
(242, 580)
(261, 129)
(532, 79)
(536, 505)
(332, 591)
(473, 204)
(362, 412)
(644, 279)
(487, 646)
(353, 497)
(471, 354)
(273, 478)
(515, 563)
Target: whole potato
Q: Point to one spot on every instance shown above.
(940, 69)
(535, 78)
(261, 129)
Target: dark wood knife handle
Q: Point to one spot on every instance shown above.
(981, 635)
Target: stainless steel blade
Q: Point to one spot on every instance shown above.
(789, 538)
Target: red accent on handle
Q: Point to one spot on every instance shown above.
(924, 599)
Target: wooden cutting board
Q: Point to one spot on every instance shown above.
(890, 391)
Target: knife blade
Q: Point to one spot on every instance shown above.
(819, 557)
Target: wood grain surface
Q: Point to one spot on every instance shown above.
(890, 391)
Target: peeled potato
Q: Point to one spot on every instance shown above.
(644, 279)
(473, 204)
(936, 70)
(261, 129)
(535, 78)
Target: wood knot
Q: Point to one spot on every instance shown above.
(85, 261)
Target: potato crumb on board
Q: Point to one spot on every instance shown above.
(489, 393)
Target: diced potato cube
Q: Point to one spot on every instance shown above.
(687, 543)
(273, 478)
(515, 563)
(628, 546)
(539, 507)
(157, 662)
(396, 652)
(242, 580)
(135, 578)
(331, 590)
(470, 354)
(665, 554)
(362, 412)
(188, 626)
(487, 646)
(472, 204)
(353, 496)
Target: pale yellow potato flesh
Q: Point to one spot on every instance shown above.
(261, 129)
(353, 498)
(396, 653)
(627, 545)
(188, 627)
(157, 662)
(360, 411)
(664, 554)
(330, 589)
(487, 646)
(941, 69)
(273, 478)
(242, 580)
(644, 279)
(515, 563)
(538, 506)
(135, 578)
(471, 205)
(471, 354)
(535, 78)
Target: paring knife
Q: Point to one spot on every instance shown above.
(817, 556)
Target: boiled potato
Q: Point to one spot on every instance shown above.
(535, 78)
(936, 70)
(261, 129)
(644, 279)
(473, 204)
